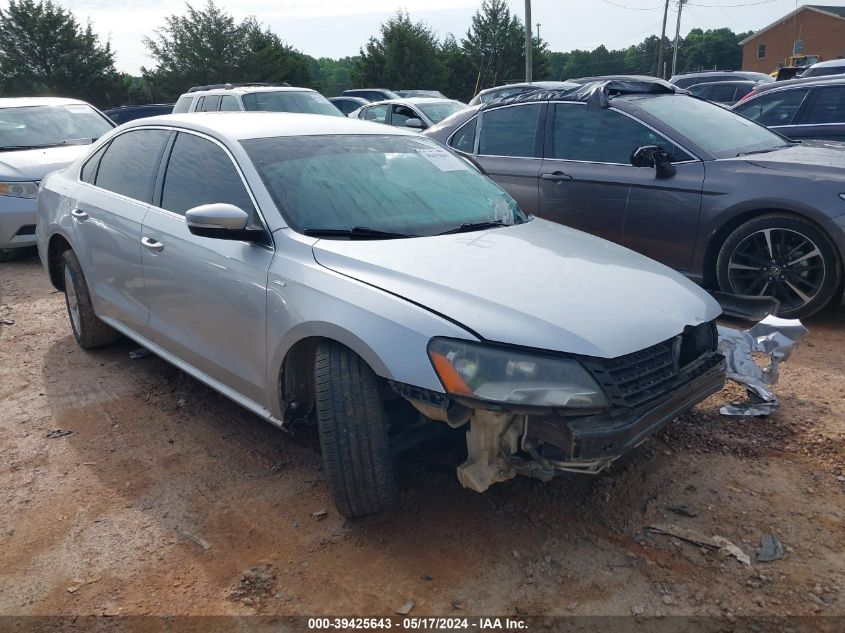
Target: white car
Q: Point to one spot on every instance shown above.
(37, 135)
(418, 113)
(254, 97)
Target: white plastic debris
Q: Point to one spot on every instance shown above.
(773, 336)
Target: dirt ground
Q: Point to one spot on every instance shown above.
(127, 487)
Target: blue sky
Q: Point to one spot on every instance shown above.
(335, 29)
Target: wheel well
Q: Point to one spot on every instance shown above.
(715, 243)
(58, 245)
(296, 378)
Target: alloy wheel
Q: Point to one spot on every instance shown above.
(778, 262)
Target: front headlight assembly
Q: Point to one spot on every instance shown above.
(513, 377)
(19, 189)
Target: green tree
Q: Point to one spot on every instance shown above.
(207, 45)
(45, 51)
(407, 55)
(495, 46)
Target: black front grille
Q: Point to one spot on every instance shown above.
(636, 379)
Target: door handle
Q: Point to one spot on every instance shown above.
(151, 244)
(556, 176)
(79, 215)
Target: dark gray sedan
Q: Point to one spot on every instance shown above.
(686, 182)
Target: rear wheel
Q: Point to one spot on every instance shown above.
(87, 328)
(782, 256)
(353, 432)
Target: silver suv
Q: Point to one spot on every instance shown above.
(315, 268)
(254, 98)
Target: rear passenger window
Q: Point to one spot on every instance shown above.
(829, 106)
(510, 131)
(464, 138)
(183, 105)
(200, 172)
(774, 108)
(209, 104)
(228, 103)
(130, 163)
(376, 113)
(723, 94)
(89, 169)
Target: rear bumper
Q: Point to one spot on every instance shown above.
(615, 433)
(17, 222)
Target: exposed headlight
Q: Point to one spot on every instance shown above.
(19, 189)
(513, 377)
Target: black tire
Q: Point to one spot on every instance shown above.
(781, 239)
(353, 432)
(88, 330)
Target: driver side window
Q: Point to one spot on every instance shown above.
(401, 114)
(602, 136)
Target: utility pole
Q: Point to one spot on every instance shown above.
(538, 32)
(661, 69)
(528, 43)
(677, 37)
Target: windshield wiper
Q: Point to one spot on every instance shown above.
(763, 151)
(474, 226)
(70, 141)
(356, 232)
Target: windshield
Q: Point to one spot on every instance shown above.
(440, 110)
(395, 184)
(283, 101)
(713, 128)
(47, 126)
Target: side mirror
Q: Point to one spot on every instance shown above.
(656, 157)
(414, 122)
(221, 221)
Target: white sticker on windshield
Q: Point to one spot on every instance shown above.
(443, 160)
(78, 108)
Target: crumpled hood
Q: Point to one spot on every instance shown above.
(34, 164)
(822, 159)
(538, 284)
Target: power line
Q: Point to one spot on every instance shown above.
(733, 6)
(622, 6)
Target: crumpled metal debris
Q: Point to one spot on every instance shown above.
(773, 336)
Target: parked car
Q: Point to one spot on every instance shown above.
(435, 94)
(122, 114)
(686, 80)
(370, 94)
(509, 90)
(800, 109)
(728, 202)
(723, 92)
(821, 69)
(418, 113)
(785, 73)
(347, 105)
(254, 98)
(312, 267)
(37, 136)
(589, 80)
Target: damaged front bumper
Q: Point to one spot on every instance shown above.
(502, 444)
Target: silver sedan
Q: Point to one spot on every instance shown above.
(417, 113)
(321, 269)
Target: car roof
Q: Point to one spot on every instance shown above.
(827, 64)
(731, 82)
(525, 84)
(824, 80)
(247, 90)
(248, 125)
(414, 100)
(23, 102)
(710, 73)
(597, 93)
(360, 100)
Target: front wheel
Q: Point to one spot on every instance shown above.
(353, 432)
(782, 256)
